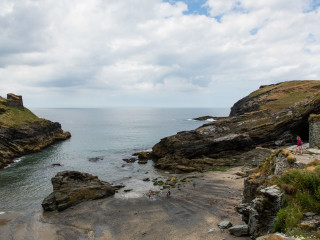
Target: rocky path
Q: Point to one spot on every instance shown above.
(188, 214)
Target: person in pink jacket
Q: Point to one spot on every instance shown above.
(299, 145)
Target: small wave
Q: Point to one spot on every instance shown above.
(190, 119)
(15, 161)
(210, 120)
(2, 213)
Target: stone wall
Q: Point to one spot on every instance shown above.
(14, 100)
(314, 130)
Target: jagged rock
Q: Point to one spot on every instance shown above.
(239, 230)
(260, 204)
(272, 192)
(72, 187)
(225, 224)
(29, 138)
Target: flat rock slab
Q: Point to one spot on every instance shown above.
(239, 230)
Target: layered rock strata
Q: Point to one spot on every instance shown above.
(72, 187)
(270, 117)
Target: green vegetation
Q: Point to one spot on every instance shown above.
(280, 96)
(287, 100)
(15, 116)
(302, 194)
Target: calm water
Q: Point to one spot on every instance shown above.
(111, 134)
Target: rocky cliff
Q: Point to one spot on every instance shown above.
(22, 132)
(272, 116)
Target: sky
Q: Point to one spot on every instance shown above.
(154, 53)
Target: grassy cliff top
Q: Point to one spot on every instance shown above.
(15, 116)
(277, 97)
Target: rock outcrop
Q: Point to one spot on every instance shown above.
(22, 132)
(261, 199)
(270, 117)
(72, 187)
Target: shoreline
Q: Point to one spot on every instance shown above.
(188, 214)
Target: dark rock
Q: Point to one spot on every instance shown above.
(56, 165)
(239, 230)
(33, 137)
(129, 160)
(72, 187)
(204, 118)
(146, 179)
(225, 224)
(95, 159)
(144, 155)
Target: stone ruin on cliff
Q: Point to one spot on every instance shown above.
(14, 100)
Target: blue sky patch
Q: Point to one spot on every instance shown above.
(254, 31)
(194, 6)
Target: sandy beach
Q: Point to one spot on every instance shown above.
(187, 214)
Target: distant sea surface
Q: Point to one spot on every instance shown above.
(106, 134)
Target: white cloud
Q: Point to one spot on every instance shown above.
(149, 48)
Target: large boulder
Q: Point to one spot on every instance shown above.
(72, 187)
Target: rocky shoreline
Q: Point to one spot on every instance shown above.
(270, 117)
(249, 150)
(21, 132)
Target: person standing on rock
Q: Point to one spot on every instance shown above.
(299, 145)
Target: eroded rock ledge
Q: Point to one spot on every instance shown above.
(270, 117)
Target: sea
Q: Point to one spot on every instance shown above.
(101, 139)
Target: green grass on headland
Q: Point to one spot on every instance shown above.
(278, 97)
(15, 116)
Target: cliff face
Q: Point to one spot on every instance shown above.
(269, 117)
(21, 132)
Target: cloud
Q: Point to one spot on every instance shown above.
(122, 52)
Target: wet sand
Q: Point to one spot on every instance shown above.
(187, 214)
